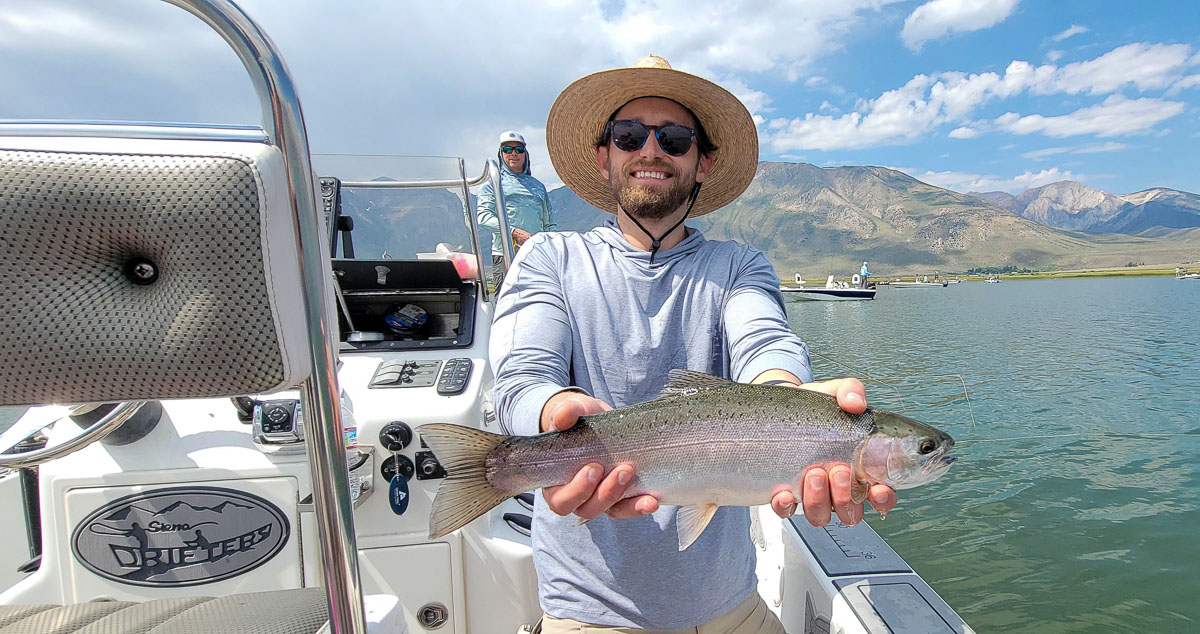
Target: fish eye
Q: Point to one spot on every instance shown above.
(926, 446)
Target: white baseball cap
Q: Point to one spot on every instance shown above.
(510, 136)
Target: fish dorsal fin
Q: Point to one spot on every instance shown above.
(692, 520)
(681, 382)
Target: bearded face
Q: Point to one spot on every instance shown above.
(648, 183)
(651, 190)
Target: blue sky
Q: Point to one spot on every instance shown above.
(965, 94)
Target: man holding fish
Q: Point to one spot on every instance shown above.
(597, 320)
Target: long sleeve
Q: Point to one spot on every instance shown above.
(756, 326)
(549, 223)
(530, 340)
(485, 209)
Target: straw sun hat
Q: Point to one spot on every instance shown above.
(581, 111)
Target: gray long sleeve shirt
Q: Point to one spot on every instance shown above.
(588, 310)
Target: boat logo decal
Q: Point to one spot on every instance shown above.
(180, 536)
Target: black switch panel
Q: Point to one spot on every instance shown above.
(404, 373)
(455, 374)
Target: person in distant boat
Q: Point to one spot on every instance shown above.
(525, 200)
(862, 276)
(591, 321)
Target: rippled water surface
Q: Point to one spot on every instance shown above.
(1073, 506)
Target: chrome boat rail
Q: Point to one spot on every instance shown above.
(506, 245)
(283, 125)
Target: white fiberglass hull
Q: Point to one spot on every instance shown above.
(830, 294)
(917, 284)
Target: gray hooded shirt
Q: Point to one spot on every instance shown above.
(590, 307)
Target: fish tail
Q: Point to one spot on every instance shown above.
(465, 493)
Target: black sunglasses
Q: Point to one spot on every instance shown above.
(629, 136)
(509, 149)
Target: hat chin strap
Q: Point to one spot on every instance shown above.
(656, 243)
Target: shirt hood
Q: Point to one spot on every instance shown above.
(611, 234)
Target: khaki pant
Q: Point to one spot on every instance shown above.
(751, 617)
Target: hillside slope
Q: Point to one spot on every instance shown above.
(816, 220)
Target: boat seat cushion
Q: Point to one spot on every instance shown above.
(211, 218)
(301, 611)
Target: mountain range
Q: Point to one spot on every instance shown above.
(819, 220)
(1072, 205)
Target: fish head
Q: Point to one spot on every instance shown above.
(904, 453)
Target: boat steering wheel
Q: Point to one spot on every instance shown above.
(107, 424)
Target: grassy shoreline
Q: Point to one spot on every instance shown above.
(1135, 271)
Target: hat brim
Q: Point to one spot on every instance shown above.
(581, 111)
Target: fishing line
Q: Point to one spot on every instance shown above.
(867, 376)
(1098, 434)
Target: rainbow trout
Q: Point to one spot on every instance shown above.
(704, 443)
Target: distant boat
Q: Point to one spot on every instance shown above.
(992, 279)
(832, 291)
(919, 284)
(1188, 276)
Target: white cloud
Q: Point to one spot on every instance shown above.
(756, 101)
(911, 112)
(895, 116)
(939, 18)
(1053, 55)
(1071, 32)
(1146, 66)
(1042, 154)
(1095, 148)
(1191, 81)
(967, 182)
(733, 36)
(1099, 148)
(390, 77)
(817, 82)
(1116, 116)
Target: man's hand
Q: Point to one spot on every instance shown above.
(590, 493)
(520, 236)
(825, 491)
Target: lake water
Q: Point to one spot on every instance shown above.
(1073, 505)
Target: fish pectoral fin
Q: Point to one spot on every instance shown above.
(691, 521)
(689, 382)
(859, 490)
(580, 521)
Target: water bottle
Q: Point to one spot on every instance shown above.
(350, 439)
